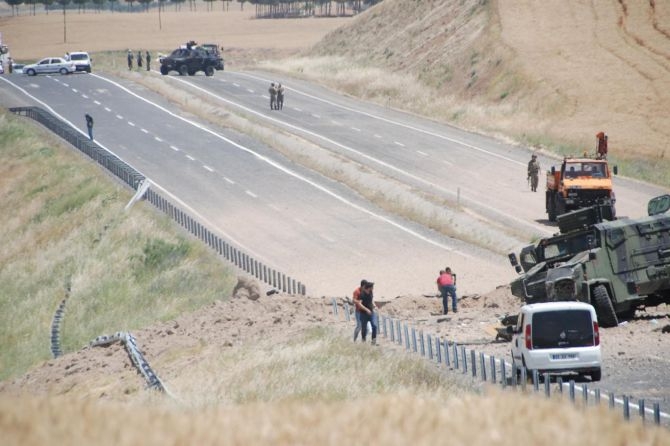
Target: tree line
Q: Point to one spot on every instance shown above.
(263, 8)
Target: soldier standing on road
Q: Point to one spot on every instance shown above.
(89, 126)
(130, 59)
(148, 61)
(139, 59)
(533, 172)
(280, 96)
(273, 96)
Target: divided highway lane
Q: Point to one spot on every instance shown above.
(438, 158)
(292, 219)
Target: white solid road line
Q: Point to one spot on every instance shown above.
(285, 169)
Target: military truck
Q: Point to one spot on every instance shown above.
(617, 265)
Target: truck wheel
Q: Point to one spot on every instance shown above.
(551, 208)
(604, 309)
(183, 70)
(164, 70)
(209, 71)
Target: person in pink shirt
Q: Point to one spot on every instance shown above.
(446, 284)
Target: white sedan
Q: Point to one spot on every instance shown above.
(50, 65)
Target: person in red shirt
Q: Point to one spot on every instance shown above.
(446, 284)
(365, 305)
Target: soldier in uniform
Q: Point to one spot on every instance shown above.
(533, 172)
(273, 96)
(280, 96)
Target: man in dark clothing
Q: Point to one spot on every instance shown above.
(130, 60)
(89, 125)
(139, 59)
(365, 303)
(148, 61)
(280, 96)
(533, 172)
(273, 96)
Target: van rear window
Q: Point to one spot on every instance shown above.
(562, 329)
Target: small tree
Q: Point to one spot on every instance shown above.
(15, 5)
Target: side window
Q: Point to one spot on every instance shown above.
(519, 323)
(44, 62)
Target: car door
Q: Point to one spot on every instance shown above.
(517, 339)
(42, 66)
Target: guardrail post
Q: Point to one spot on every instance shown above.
(447, 362)
(334, 302)
(482, 366)
(547, 385)
(626, 408)
(347, 311)
(640, 404)
(492, 360)
(438, 349)
(392, 330)
(559, 382)
(473, 361)
(422, 344)
(585, 394)
(524, 378)
(385, 321)
(572, 390)
(611, 400)
(464, 360)
(414, 339)
(657, 414)
(515, 375)
(399, 332)
(406, 337)
(536, 381)
(503, 373)
(455, 347)
(430, 347)
(597, 396)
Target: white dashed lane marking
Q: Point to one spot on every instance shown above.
(119, 117)
(251, 194)
(274, 207)
(144, 130)
(316, 116)
(108, 109)
(84, 96)
(398, 144)
(236, 84)
(377, 136)
(190, 157)
(250, 90)
(158, 139)
(132, 124)
(176, 149)
(328, 239)
(74, 90)
(96, 102)
(228, 180)
(208, 168)
(421, 153)
(355, 129)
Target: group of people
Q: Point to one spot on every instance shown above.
(276, 96)
(139, 59)
(366, 309)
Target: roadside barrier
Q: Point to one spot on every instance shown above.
(134, 179)
(497, 370)
(55, 329)
(141, 364)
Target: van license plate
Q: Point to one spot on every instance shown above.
(564, 356)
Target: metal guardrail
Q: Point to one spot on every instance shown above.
(131, 177)
(488, 368)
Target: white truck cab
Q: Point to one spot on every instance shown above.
(557, 338)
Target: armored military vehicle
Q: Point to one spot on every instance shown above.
(617, 266)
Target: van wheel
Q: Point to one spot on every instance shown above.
(183, 70)
(209, 71)
(604, 309)
(596, 375)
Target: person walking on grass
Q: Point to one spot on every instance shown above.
(130, 59)
(364, 302)
(148, 61)
(139, 59)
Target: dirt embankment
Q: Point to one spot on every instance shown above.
(551, 71)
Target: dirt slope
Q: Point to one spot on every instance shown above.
(540, 71)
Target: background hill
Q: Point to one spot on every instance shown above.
(550, 74)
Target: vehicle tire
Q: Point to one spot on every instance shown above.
(88, 69)
(604, 308)
(31, 72)
(191, 72)
(209, 71)
(63, 71)
(164, 70)
(559, 206)
(551, 207)
(596, 375)
(183, 70)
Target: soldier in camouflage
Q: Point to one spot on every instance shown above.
(533, 172)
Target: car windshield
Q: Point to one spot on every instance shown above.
(596, 170)
(78, 57)
(562, 329)
(566, 247)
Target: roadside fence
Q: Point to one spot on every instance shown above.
(135, 179)
(487, 368)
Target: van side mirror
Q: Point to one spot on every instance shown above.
(514, 262)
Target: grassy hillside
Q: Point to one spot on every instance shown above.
(64, 227)
(548, 74)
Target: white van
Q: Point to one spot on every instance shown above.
(557, 338)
